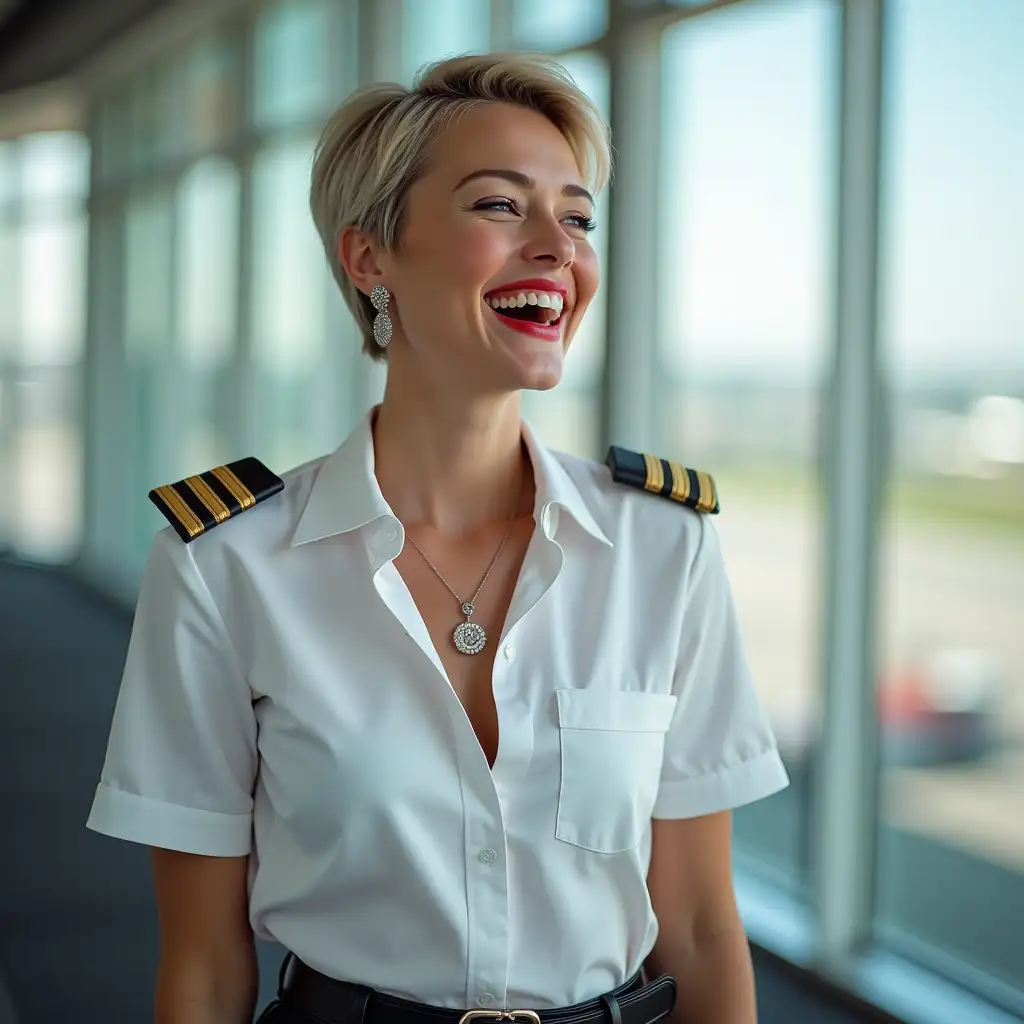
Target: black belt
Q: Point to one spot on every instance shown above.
(340, 1002)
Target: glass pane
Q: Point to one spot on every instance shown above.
(208, 262)
(744, 337)
(155, 131)
(45, 465)
(952, 656)
(8, 174)
(290, 276)
(291, 62)
(114, 126)
(10, 306)
(53, 291)
(208, 212)
(147, 275)
(444, 28)
(54, 166)
(212, 92)
(543, 25)
(567, 417)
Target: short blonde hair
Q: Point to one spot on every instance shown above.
(376, 145)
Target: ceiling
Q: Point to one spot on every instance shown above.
(41, 40)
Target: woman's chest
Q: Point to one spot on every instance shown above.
(365, 706)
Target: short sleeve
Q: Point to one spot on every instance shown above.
(181, 758)
(720, 751)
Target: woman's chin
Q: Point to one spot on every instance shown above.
(542, 371)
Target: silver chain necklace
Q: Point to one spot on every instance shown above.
(469, 637)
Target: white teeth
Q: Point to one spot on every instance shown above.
(547, 300)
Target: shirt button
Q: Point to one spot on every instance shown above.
(510, 652)
(390, 533)
(488, 856)
(486, 999)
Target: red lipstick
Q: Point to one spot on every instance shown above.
(531, 284)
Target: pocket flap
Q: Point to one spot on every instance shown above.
(617, 710)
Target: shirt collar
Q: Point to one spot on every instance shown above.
(556, 490)
(345, 493)
(346, 496)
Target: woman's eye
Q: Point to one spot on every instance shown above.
(499, 205)
(577, 220)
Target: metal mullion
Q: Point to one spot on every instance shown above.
(243, 371)
(845, 818)
(631, 358)
(91, 406)
(10, 349)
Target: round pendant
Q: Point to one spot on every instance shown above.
(469, 637)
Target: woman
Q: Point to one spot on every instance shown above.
(456, 720)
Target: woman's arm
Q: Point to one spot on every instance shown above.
(208, 972)
(701, 941)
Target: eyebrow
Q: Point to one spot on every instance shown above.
(522, 180)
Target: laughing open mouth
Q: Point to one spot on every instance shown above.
(536, 307)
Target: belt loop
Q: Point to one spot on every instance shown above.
(360, 996)
(611, 1004)
(285, 964)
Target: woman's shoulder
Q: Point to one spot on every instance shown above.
(643, 502)
(241, 505)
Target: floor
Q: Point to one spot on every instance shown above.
(78, 937)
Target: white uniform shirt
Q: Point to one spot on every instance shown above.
(282, 698)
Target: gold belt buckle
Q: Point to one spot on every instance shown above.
(528, 1015)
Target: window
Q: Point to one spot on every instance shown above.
(289, 287)
(42, 251)
(744, 337)
(211, 91)
(951, 667)
(444, 28)
(542, 25)
(291, 62)
(207, 278)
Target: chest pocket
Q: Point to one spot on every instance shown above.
(612, 749)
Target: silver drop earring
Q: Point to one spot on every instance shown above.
(380, 297)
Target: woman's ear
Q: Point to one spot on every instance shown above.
(357, 252)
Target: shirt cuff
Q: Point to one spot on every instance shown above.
(722, 791)
(140, 819)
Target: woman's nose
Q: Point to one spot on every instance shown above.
(550, 244)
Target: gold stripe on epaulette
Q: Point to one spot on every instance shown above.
(680, 482)
(239, 491)
(708, 500)
(655, 473)
(205, 493)
(180, 510)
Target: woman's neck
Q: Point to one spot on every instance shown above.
(456, 466)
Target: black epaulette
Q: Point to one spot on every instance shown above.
(199, 503)
(689, 487)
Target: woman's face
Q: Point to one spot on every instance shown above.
(494, 270)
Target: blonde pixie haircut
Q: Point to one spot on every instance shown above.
(377, 144)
